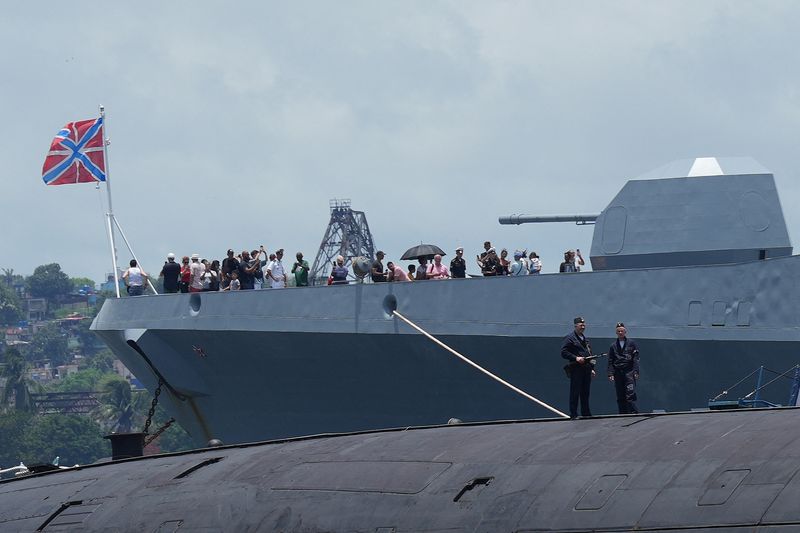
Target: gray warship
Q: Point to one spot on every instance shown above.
(694, 257)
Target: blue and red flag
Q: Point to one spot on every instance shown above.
(76, 154)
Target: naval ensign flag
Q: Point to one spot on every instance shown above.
(76, 154)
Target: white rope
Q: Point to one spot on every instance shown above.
(504, 382)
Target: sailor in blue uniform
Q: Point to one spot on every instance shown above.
(576, 349)
(623, 370)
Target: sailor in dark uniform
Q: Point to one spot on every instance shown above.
(580, 369)
(623, 370)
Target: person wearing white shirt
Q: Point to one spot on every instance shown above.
(197, 269)
(275, 271)
(535, 263)
(135, 279)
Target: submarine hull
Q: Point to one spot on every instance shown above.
(736, 471)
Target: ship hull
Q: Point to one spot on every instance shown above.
(277, 363)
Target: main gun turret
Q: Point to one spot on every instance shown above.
(703, 211)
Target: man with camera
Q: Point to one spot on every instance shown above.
(376, 272)
(171, 272)
(571, 264)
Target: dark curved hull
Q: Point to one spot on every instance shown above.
(735, 471)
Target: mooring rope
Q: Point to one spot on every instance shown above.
(770, 382)
(469, 362)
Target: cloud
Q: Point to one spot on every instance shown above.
(235, 127)
(241, 69)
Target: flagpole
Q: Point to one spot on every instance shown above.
(110, 214)
(122, 234)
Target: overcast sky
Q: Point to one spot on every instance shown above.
(234, 124)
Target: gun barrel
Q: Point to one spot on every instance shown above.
(530, 219)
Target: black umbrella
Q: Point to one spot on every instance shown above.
(422, 250)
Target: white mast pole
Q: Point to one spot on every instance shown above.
(128, 244)
(110, 214)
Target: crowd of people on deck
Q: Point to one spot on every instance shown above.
(490, 263)
(255, 269)
(248, 270)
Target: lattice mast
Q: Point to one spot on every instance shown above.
(347, 235)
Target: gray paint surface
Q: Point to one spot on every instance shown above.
(669, 219)
(275, 363)
(730, 471)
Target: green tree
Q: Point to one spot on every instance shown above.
(10, 279)
(10, 306)
(89, 342)
(120, 407)
(84, 380)
(13, 427)
(75, 439)
(79, 283)
(102, 360)
(18, 386)
(49, 342)
(48, 281)
(8, 276)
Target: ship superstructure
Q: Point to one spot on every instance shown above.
(694, 258)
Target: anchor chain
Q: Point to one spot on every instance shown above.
(159, 431)
(153, 405)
